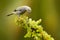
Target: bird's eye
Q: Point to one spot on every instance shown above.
(15, 10)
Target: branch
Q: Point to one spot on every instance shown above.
(34, 29)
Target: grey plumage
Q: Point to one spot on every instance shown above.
(21, 10)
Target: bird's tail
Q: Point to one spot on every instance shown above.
(10, 14)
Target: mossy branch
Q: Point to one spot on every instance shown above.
(34, 29)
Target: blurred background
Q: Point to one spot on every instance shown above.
(47, 10)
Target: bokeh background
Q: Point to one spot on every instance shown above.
(47, 10)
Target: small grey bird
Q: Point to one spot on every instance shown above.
(21, 10)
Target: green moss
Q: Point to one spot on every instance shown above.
(33, 28)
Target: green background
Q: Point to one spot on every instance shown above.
(47, 10)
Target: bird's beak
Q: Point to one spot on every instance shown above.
(29, 11)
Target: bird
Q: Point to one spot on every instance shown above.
(20, 10)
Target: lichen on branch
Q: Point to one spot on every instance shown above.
(33, 28)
